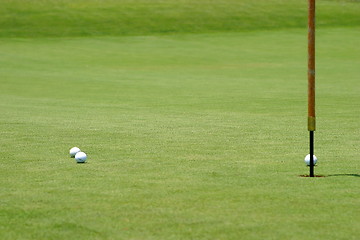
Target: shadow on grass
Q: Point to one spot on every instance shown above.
(334, 175)
(344, 175)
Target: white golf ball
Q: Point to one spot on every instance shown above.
(307, 159)
(74, 151)
(80, 157)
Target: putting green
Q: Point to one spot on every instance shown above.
(192, 136)
(193, 115)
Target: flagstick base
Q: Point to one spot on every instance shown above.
(311, 153)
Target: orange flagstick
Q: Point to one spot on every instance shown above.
(311, 81)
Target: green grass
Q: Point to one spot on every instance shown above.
(188, 137)
(54, 18)
(197, 134)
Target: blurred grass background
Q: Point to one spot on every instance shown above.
(64, 18)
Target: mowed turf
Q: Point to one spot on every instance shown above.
(64, 18)
(188, 137)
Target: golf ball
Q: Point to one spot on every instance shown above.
(74, 151)
(307, 159)
(80, 157)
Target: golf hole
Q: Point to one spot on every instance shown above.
(307, 175)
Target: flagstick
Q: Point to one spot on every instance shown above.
(311, 81)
